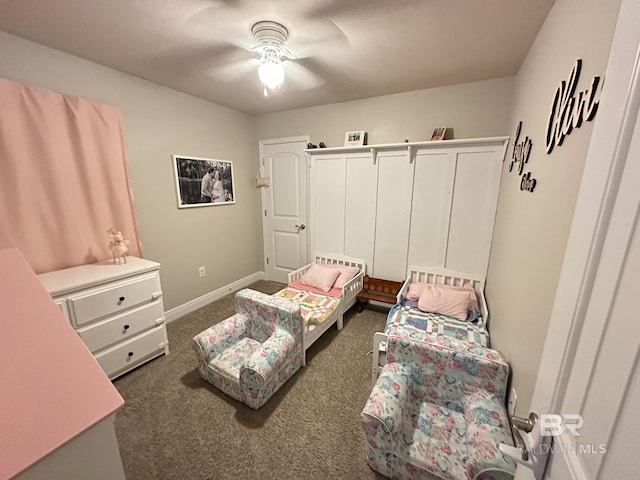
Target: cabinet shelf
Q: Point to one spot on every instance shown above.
(409, 146)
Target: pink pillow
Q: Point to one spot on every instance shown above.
(334, 292)
(416, 289)
(446, 301)
(346, 273)
(320, 276)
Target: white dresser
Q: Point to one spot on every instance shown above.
(117, 310)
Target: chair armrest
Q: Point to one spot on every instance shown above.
(267, 360)
(212, 341)
(487, 427)
(264, 311)
(381, 417)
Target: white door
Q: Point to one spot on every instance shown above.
(284, 206)
(588, 376)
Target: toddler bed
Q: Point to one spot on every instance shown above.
(325, 290)
(435, 302)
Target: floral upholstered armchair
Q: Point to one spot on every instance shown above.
(437, 411)
(251, 354)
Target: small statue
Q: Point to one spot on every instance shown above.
(118, 246)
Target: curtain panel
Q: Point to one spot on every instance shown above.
(64, 178)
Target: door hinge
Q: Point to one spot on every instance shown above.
(267, 260)
(265, 213)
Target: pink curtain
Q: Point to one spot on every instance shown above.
(64, 178)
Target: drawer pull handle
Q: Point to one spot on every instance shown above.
(121, 299)
(130, 354)
(126, 327)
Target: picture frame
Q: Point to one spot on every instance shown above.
(439, 133)
(190, 173)
(355, 139)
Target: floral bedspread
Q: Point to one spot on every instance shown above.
(407, 321)
(315, 308)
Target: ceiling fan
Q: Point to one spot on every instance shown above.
(272, 52)
(271, 38)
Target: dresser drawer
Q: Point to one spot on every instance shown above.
(131, 353)
(105, 333)
(97, 303)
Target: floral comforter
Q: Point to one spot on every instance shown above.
(315, 308)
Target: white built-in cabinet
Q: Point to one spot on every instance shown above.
(426, 204)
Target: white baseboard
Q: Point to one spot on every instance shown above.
(196, 303)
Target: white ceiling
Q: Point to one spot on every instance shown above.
(346, 49)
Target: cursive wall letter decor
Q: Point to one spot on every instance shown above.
(520, 155)
(527, 183)
(521, 151)
(567, 111)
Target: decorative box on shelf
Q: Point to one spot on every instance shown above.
(117, 310)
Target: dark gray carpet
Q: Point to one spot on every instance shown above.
(174, 425)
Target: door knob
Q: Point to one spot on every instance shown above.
(300, 227)
(531, 450)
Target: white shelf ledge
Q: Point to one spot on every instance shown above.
(410, 146)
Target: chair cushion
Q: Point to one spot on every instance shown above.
(433, 439)
(231, 360)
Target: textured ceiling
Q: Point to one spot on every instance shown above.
(345, 49)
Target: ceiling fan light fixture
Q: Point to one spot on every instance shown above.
(270, 40)
(271, 73)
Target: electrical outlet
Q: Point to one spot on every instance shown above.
(513, 398)
(202, 272)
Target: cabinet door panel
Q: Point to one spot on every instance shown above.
(360, 219)
(395, 185)
(328, 204)
(473, 211)
(431, 208)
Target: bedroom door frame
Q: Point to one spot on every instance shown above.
(285, 227)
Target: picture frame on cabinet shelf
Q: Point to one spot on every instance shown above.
(439, 133)
(195, 176)
(355, 139)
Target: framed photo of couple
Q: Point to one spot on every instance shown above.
(203, 182)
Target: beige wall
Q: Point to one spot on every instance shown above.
(532, 228)
(160, 122)
(479, 109)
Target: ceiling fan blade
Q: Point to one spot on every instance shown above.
(235, 70)
(317, 36)
(193, 59)
(326, 71)
(300, 77)
(212, 6)
(357, 8)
